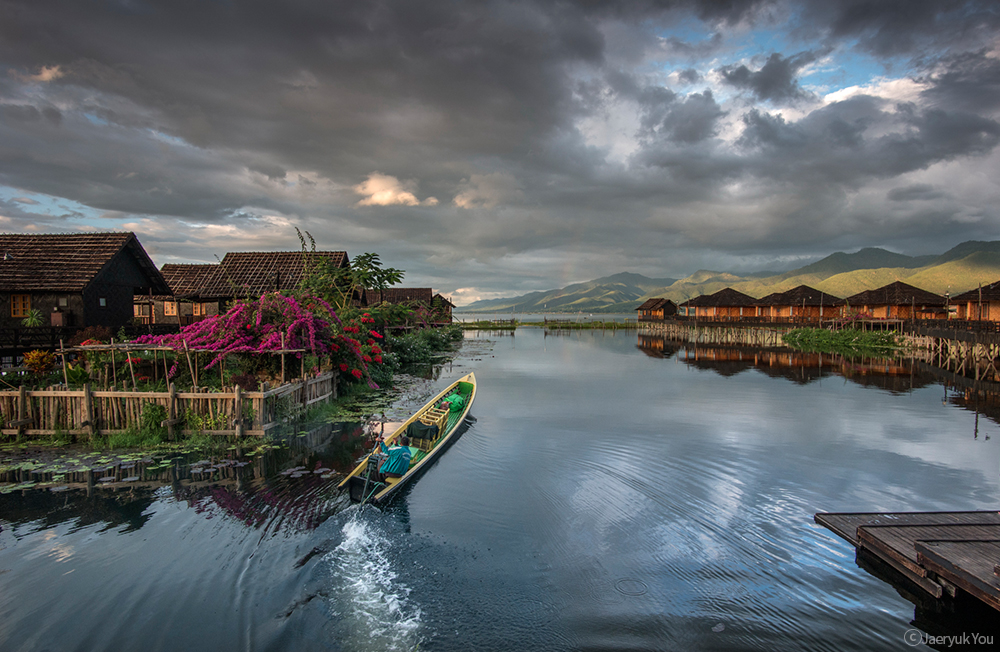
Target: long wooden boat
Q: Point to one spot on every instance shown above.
(430, 430)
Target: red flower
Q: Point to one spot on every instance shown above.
(378, 359)
(356, 373)
(375, 349)
(374, 334)
(366, 358)
(343, 366)
(370, 342)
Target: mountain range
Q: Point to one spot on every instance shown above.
(841, 274)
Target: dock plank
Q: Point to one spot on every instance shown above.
(846, 524)
(898, 541)
(967, 564)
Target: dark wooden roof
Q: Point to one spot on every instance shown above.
(655, 304)
(401, 295)
(896, 294)
(724, 297)
(253, 273)
(799, 296)
(67, 262)
(443, 301)
(187, 280)
(991, 292)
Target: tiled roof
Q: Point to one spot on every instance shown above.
(67, 262)
(896, 294)
(799, 296)
(256, 272)
(187, 280)
(724, 297)
(991, 292)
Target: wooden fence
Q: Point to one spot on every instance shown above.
(87, 412)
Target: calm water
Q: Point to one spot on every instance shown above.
(605, 498)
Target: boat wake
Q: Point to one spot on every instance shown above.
(372, 608)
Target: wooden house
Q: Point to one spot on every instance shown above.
(250, 274)
(442, 308)
(726, 304)
(656, 309)
(75, 279)
(802, 302)
(899, 301)
(980, 304)
(184, 305)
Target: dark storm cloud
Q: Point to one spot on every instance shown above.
(969, 81)
(832, 144)
(916, 192)
(903, 27)
(776, 79)
(499, 133)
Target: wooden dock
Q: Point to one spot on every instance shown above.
(940, 552)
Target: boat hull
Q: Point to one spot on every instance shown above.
(361, 486)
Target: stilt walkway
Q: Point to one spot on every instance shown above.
(941, 552)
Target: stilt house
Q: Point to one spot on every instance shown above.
(656, 309)
(899, 301)
(802, 302)
(980, 304)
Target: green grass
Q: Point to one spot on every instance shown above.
(846, 342)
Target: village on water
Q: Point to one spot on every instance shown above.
(96, 340)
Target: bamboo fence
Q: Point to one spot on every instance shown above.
(87, 412)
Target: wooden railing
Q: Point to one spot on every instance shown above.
(87, 412)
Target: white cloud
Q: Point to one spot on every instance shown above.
(385, 190)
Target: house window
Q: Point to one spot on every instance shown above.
(102, 302)
(20, 305)
(140, 310)
(170, 308)
(63, 302)
(200, 309)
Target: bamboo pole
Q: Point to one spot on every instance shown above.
(187, 354)
(131, 369)
(62, 353)
(114, 372)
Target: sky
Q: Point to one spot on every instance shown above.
(490, 149)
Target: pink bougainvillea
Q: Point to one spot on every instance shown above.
(270, 324)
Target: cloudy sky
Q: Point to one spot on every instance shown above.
(495, 148)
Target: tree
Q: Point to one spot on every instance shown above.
(339, 285)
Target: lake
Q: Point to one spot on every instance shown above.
(606, 497)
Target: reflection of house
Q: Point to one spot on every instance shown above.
(656, 309)
(979, 304)
(802, 302)
(75, 279)
(725, 304)
(899, 301)
(184, 306)
(251, 274)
